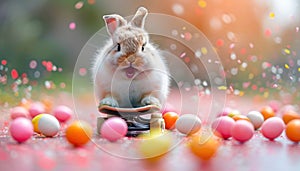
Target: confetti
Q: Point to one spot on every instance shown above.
(204, 50)
(79, 5)
(14, 74)
(202, 3)
(33, 64)
(226, 18)
(220, 42)
(91, 2)
(272, 15)
(287, 51)
(286, 66)
(3, 62)
(268, 32)
(82, 71)
(178, 9)
(72, 26)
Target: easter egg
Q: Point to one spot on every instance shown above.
(170, 119)
(114, 129)
(46, 124)
(21, 129)
(240, 117)
(36, 109)
(188, 124)
(79, 133)
(62, 113)
(290, 115)
(242, 131)
(154, 145)
(18, 111)
(256, 118)
(272, 128)
(223, 125)
(267, 112)
(203, 146)
(292, 130)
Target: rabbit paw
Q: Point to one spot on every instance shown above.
(109, 101)
(150, 100)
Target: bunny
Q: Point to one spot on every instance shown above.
(129, 71)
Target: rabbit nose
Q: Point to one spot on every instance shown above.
(131, 59)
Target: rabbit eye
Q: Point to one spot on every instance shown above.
(143, 46)
(118, 47)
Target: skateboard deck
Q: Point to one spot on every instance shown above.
(149, 109)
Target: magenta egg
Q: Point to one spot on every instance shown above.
(114, 129)
(36, 109)
(21, 129)
(223, 125)
(242, 131)
(18, 111)
(272, 128)
(62, 113)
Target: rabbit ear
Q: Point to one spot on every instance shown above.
(113, 22)
(139, 18)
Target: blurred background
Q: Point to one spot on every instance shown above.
(257, 41)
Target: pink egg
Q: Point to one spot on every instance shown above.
(36, 109)
(21, 129)
(62, 113)
(223, 126)
(242, 130)
(18, 112)
(113, 129)
(272, 128)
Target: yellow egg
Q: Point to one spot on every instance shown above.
(154, 145)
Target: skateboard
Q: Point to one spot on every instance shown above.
(133, 117)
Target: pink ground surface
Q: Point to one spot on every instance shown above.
(57, 154)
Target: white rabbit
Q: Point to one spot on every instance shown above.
(129, 71)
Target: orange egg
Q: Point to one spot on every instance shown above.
(292, 130)
(267, 112)
(170, 119)
(241, 117)
(79, 133)
(290, 115)
(204, 147)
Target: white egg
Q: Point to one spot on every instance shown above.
(188, 124)
(48, 125)
(256, 118)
